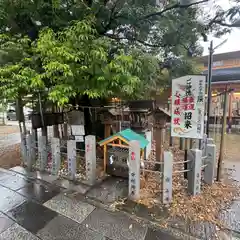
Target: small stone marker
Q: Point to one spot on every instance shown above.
(71, 153)
(167, 177)
(194, 175)
(42, 152)
(90, 154)
(134, 170)
(56, 159)
(209, 171)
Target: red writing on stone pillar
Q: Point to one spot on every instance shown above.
(88, 148)
(133, 156)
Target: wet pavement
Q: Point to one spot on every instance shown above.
(32, 209)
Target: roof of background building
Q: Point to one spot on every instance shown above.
(221, 56)
(226, 74)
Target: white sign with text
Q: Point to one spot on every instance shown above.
(188, 103)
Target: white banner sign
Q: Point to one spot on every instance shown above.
(188, 102)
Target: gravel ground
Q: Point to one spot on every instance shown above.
(10, 156)
(9, 153)
(5, 130)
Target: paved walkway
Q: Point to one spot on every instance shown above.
(31, 209)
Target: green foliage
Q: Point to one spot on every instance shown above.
(74, 62)
(100, 48)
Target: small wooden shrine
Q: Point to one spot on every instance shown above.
(116, 151)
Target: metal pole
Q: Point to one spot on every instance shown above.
(209, 91)
(223, 133)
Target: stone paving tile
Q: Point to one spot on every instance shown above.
(16, 232)
(35, 175)
(70, 207)
(14, 182)
(9, 199)
(5, 174)
(158, 235)
(5, 222)
(32, 216)
(39, 191)
(62, 228)
(116, 226)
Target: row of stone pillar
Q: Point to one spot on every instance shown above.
(198, 161)
(28, 150)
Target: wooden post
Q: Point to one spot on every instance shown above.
(185, 157)
(105, 159)
(223, 134)
(159, 126)
(107, 130)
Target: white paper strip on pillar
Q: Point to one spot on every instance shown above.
(56, 160)
(71, 152)
(167, 177)
(90, 154)
(134, 170)
(42, 152)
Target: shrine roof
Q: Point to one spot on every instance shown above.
(128, 135)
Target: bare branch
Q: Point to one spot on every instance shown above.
(227, 24)
(178, 5)
(132, 39)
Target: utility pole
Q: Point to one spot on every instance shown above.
(209, 86)
(223, 134)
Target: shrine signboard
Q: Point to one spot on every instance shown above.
(188, 103)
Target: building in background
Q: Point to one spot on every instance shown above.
(226, 72)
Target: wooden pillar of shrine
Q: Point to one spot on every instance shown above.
(108, 121)
(159, 126)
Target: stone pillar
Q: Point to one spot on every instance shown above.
(203, 144)
(71, 153)
(148, 150)
(34, 144)
(194, 176)
(134, 170)
(29, 152)
(167, 177)
(23, 149)
(90, 154)
(209, 171)
(56, 158)
(42, 152)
